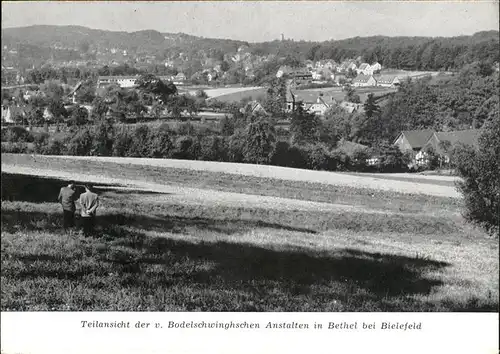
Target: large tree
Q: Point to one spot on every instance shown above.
(305, 127)
(259, 144)
(480, 172)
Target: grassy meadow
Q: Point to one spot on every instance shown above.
(184, 240)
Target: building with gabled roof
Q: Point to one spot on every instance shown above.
(387, 80)
(467, 137)
(413, 140)
(442, 143)
(364, 81)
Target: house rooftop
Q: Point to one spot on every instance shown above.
(467, 137)
(417, 138)
(362, 78)
(387, 79)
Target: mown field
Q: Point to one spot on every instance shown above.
(179, 239)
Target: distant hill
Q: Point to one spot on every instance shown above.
(74, 36)
(410, 53)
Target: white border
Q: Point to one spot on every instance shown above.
(62, 332)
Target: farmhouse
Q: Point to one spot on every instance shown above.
(442, 143)
(319, 107)
(387, 81)
(313, 102)
(346, 66)
(364, 81)
(179, 79)
(412, 140)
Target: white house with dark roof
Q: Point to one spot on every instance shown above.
(319, 107)
(387, 81)
(364, 81)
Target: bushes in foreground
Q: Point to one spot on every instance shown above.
(480, 172)
(257, 143)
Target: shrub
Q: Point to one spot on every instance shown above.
(102, 144)
(55, 147)
(41, 141)
(259, 144)
(16, 135)
(319, 158)
(339, 161)
(391, 159)
(358, 160)
(81, 143)
(186, 147)
(213, 148)
(480, 172)
(14, 148)
(123, 143)
(159, 144)
(236, 144)
(186, 128)
(227, 126)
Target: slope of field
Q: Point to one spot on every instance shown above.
(236, 94)
(174, 239)
(432, 184)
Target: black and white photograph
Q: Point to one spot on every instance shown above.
(251, 156)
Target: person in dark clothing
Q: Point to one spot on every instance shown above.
(89, 202)
(67, 198)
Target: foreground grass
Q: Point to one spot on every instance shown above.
(152, 256)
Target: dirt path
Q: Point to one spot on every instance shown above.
(195, 196)
(291, 174)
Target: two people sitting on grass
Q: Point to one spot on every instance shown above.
(89, 202)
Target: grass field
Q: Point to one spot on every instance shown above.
(229, 95)
(180, 239)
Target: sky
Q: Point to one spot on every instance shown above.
(256, 21)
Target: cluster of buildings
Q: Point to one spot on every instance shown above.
(131, 81)
(317, 103)
(375, 80)
(329, 70)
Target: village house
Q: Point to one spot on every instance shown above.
(212, 75)
(346, 66)
(319, 107)
(364, 69)
(412, 141)
(364, 81)
(179, 79)
(442, 143)
(316, 75)
(387, 81)
(376, 67)
(299, 75)
(312, 102)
